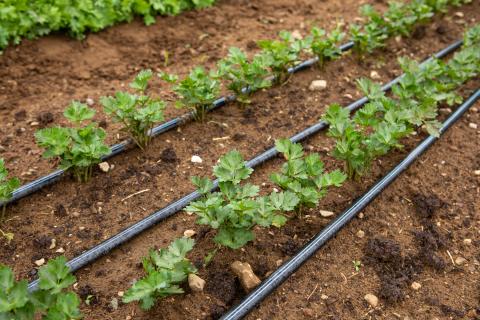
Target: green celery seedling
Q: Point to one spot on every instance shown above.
(196, 92)
(237, 208)
(50, 301)
(137, 113)
(304, 176)
(14, 297)
(325, 46)
(280, 55)
(7, 186)
(79, 148)
(166, 269)
(241, 74)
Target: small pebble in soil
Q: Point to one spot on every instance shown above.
(40, 262)
(473, 125)
(460, 261)
(196, 159)
(121, 293)
(445, 111)
(53, 244)
(189, 233)
(318, 85)
(90, 102)
(361, 215)
(324, 297)
(374, 75)
(60, 250)
(416, 286)
(477, 172)
(361, 234)
(104, 166)
(307, 312)
(467, 241)
(371, 299)
(326, 214)
(196, 283)
(244, 272)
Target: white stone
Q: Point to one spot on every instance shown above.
(196, 159)
(416, 286)
(477, 172)
(189, 233)
(371, 299)
(473, 125)
(195, 283)
(40, 262)
(90, 101)
(361, 234)
(326, 214)
(60, 250)
(467, 241)
(460, 261)
(104, 166)
(318, 85)
(374, 75)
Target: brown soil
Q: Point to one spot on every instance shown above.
(421, 216)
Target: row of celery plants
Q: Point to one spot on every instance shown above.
(31, 19)
(237, 207)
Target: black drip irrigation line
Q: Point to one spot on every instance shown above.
(32, 187)
(289, 267)
(125, 235)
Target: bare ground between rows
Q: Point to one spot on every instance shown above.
(165, 171)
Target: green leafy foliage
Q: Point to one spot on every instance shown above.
(137, 112)
(78, 148)
(240, 73)
(325, 46)
(165, 269)
(237, 207)
(399, 19)
(381, 124)
(51, 301)
(280, 55)
(7, 186)
(30, 19)
(196, 92)
(304, 176)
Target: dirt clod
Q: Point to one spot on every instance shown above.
(45, 118)
(222, 285)
(168, 155)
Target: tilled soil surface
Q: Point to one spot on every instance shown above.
(426, 213)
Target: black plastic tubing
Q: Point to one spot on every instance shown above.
(289, 267)
(123, 236)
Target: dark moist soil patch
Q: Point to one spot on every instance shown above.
(43, 76)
